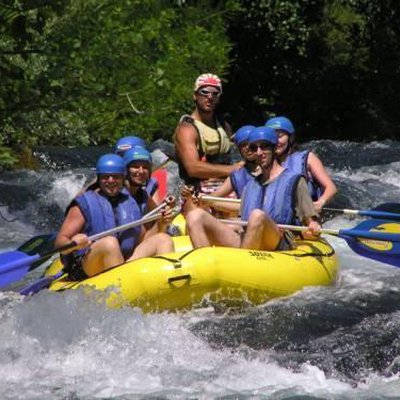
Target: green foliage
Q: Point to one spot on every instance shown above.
(77, 72)
(330, 65)
(7, 158)
(97, 70)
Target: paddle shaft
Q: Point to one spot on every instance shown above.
(366, 213)
(153, 215)
(14, 265)
(219, 199)
(46, 280)
(382, 236)
(363, 213)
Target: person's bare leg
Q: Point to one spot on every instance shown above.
(103, 254)
(205, 230)
(160, 243)
(262, 233)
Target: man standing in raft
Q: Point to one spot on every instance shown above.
(276, 196)
(202, 139)
(101, 209)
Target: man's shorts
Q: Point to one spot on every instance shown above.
(287, 242)
(73, 265)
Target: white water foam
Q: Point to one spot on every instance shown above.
(55, 345)
(65, 187)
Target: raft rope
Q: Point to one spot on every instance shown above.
(177, 262)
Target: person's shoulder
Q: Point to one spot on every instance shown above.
(313, 159)
(186, 119)
(185, 130)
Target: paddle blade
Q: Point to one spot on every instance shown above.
(40, 284)
(388, 207)
(375, 239)
(369, 248)
(38, 244)
(14, 265)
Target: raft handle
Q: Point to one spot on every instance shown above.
(179, 278)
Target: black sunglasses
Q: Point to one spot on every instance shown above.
(262, 146)
(206, 93)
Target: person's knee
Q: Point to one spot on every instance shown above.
(256, 219)
(163, 237)
(108, 244)
(164, 242)
(194, 217)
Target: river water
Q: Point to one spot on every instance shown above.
(340, 342)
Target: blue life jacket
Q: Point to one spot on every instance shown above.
(152, 186)
(297, 162)
(239, 180)
(100, 216)
(277, 198)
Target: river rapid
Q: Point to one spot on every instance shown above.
(340, 342)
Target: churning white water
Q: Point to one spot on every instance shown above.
(322, 343)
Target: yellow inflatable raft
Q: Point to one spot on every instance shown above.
(183, 279)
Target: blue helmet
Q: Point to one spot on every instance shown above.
(110, 164)
(263, 133)
(242, 134)
(281, 123)
(126, 143)
(136, 153)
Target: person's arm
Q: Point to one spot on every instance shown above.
(186, 149)
(70, 230)
(305, 210)
(225, 189)
(162, 224)
(322, 177)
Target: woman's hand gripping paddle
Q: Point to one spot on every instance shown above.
(45, 281)
(14, 265)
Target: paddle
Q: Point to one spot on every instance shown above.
(381, 211)
(389, 211)
(37, 244)
(376, 239)
(14, 265)
(388, 207)
(44, 282)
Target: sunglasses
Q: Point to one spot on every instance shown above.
(207, 93)
(263, 146)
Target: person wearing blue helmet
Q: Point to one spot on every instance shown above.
(276, 196)
(138, 163)
(321, 186)
(236, 181)
(129, 142)
(108, 205)
(126, 143)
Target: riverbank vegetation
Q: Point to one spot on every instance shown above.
(80, 72)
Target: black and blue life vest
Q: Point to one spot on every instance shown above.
(277, 198)
(297, 162)
(100, 215)
(239, 180)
